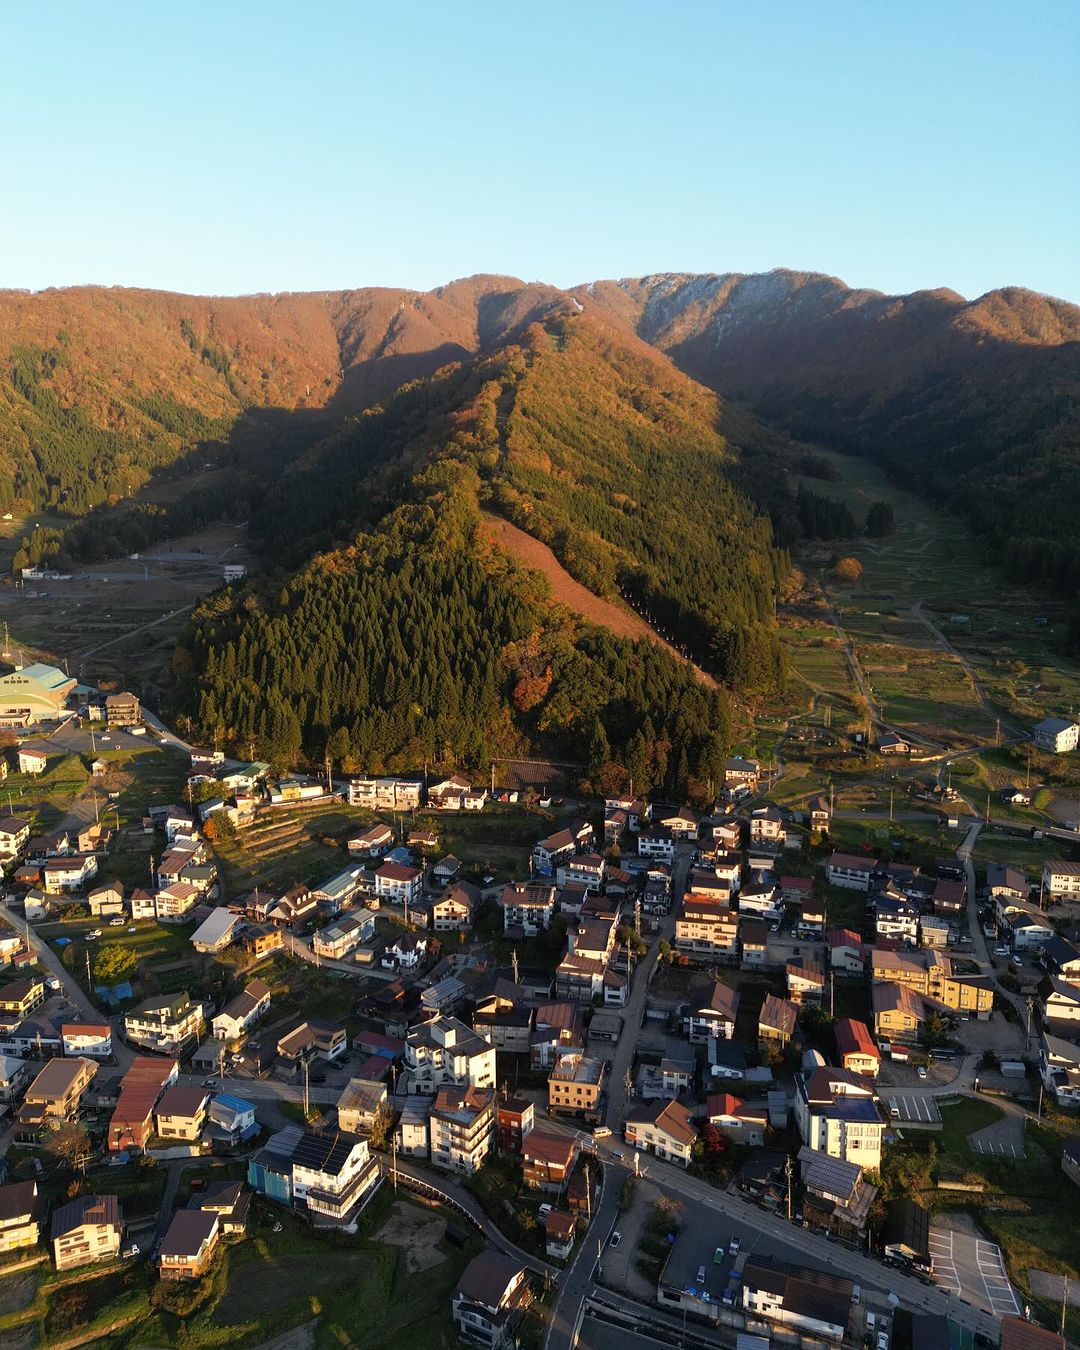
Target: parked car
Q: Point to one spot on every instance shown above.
(701, 1274)
(544, 1211)
(734, 1245)
(616, 1238)
(921, 1070)
(116, 923)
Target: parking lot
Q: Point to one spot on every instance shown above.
(972, 1269)
(917, 1112)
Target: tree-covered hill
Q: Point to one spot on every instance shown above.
(409, 638)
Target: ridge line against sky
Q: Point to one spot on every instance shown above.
(260, 149)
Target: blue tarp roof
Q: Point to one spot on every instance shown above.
(400, 855)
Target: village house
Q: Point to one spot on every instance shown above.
(547, 1159)
(837, 1113)
(1056, 736)
(559, 1230)
(681, 821)
(490, 1300)
(189, 1244)
(656, 842)
(92, 1039)
(662, 1127)
(849, 870)
(767, 827)
(241, 1013)
(896, 917)
(805, 980)
(753, 943)
(806, 1301)
(898, 1011)
(556, 1027)
(372, 842)
(59, 875)
(56, 1093)
(217, 931)
(712, 1013)
(360, 1102)
(132, 1119)
(549, 853)
(777, 1020)
(576, 1086)
(933, 931)
(21, 1213)
(22, 997)
(337, 892)
(503, 1018)
(1059, 1000)
(231, 1118)
(820, 814)
(444, 995)
(1062, 958)
(760, 900)
(31, 760)
(455, 909)
(527, 907)
(106, 902)
(181, 1113)
(855, 1047)
(456, 794)
(173, 904)
(313, 1039)
(344, 935)
(88, 1228)
(584, 869)
(462, 1128)
(515, 1118)
(167, 1025)
(13, 1072)
(399, 884)
(740, 1123)
(333, 1175)
(405, 952)
(1007, 882)
(741, 773)
(446, 870)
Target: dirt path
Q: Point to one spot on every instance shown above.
(617, 619)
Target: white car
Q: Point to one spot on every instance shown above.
(921, 1070)
(116, 923)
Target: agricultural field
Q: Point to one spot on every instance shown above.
(929, 567)
(117, 621)
(286, 847)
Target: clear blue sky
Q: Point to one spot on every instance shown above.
(235, 147)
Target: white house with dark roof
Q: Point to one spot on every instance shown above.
(1056, 735)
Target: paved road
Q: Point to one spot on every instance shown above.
(578, 1279)
(980, 945)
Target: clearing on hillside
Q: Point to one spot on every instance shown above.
(617, 619)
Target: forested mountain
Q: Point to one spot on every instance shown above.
(362, 432)
(975, 403)
(409, 638)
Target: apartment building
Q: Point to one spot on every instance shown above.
(837, 1113)
(462, 1128)
(446, 1053)
(930, 973)
(850, 870)
(708, 928)
(1061, 880)
(527, 907)
(576, 1086)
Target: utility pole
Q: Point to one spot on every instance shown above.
(393, 1157)
(1064, 1303)
(514, 965)
(891, 790)
(832, 993)
(1030, 1005)
(307, 1090)
(89, 981)
(788, 1168)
